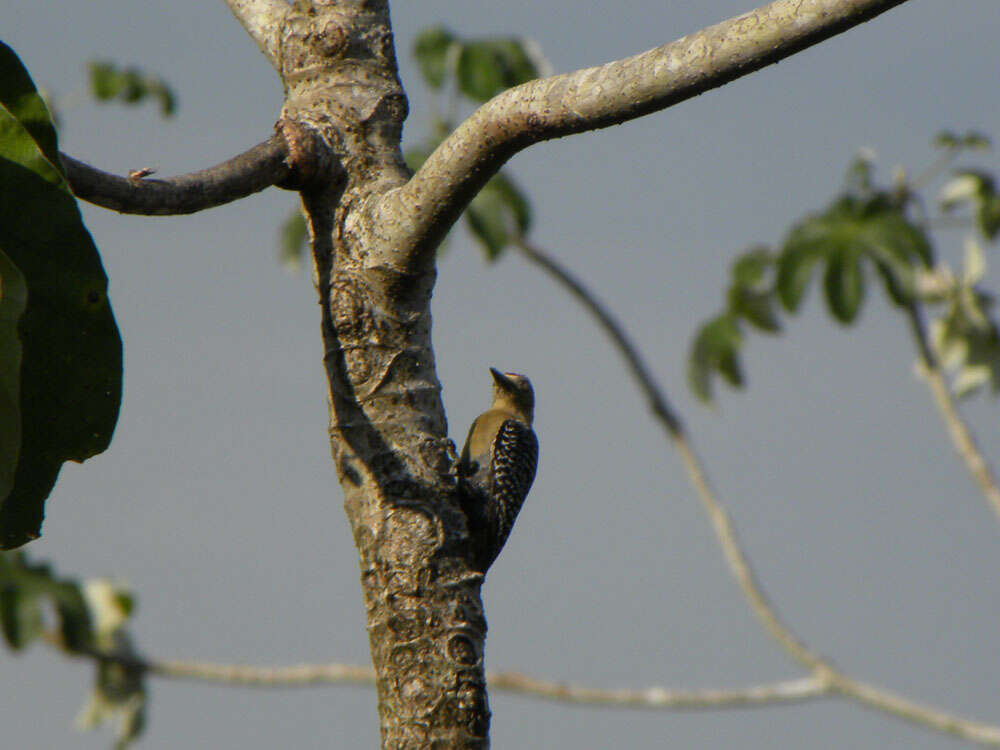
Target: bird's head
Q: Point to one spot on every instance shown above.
(514, 392)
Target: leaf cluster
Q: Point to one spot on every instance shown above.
(868, 232)
(110, 82)
(471, 71)
(90, 616)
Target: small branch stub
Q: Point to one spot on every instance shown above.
(307, 156)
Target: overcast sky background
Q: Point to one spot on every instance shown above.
(219, 505)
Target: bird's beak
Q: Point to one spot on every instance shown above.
(502, 380)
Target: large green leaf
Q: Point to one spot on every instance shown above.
(70, 371)
(20, 97)
(850, 231)
(13, 300)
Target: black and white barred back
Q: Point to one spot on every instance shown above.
(513, 461)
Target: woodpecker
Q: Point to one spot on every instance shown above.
(497, 465)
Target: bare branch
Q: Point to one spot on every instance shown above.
(250, 172)
(767, 694)
(657, 399)
(787, 691)
(959, 432)
(418, 214)
(822, 670)
(263, 20)
(300, 675)
(305, 675)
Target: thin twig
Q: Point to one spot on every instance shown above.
(821, 668)
(250, 172)
(787, 691)
(235, 674)
(934, 169)
(305, 675)
(959, 432)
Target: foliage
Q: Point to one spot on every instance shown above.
(869, 229)
(475, 70)
(90, 617)
(110, 82)
(60, 351)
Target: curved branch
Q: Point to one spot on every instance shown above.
(418, 214)
(263, 20)
(657, 399)
(821, 668)
(250, 172)
(959, 432)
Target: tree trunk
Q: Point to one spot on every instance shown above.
(387, 425)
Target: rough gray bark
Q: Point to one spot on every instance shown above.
(387, 423)
(374, 229)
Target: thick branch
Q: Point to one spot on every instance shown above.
(250, 172)
(418, 214)
(263, 20)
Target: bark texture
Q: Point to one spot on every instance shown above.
(374, 228)
(387, 423)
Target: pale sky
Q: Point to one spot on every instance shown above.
(217, 501)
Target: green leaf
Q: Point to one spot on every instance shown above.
(844, 286)
(750, 268)
(497, 215)
(751, 296)
(487, 67)
(849, 231)
(755, 307)
(988, 216)
(292, 240)
(20, 617)
(946, 140)
(20, 97)
(975, 141)
(108, 82)
(13, 300)
(795, 266)
(859, 174)
(898, 280)
(26, 584)
(977, 189)
(715, 349)
(431, 51)
(70, 374)
(895, 246)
